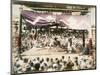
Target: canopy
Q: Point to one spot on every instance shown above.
(45, 19)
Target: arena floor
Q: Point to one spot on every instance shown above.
(47, 52)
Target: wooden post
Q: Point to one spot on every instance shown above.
(83, 32)
(20, 32)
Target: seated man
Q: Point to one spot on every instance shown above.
(70, 64)
(56, 42)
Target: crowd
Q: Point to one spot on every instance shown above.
(64, 63)
(68, 42)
